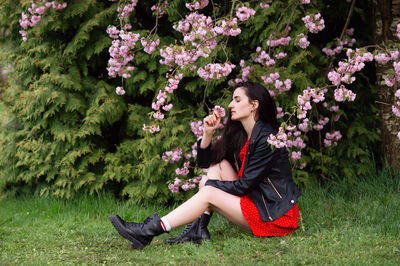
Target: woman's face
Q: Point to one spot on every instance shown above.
(240, 106)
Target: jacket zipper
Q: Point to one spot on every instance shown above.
(269, 181)
(269, 215)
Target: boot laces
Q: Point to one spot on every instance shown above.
(187, 229)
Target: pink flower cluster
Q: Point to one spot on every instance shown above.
(332, 138)
(215, 71)
(263, 58)
(303, 41)
(295, 155)
(172, 156)
(197, 128)
(195, 5)
(244, 13)
(347, 41)
(394, 77)
(280, 55)
(149, 45)
(186, 185)
(278, 140)
(197, 30)
(321, 124)
(317, 95)
(121, 52)
(160, 10)
(265, 6)
(220, 110)
(36, 11)
(227, 27)
(396, 107)
(304, 2)
(199, 37)
(119, 91)
(342, 94)
(281, 41)
(314, 23)
(183, 171)
(152, 128)
(355, 62)
(245, 70)
(279, 85)
(398, 31)
(127, 9)
(279, 112)
(294, 139)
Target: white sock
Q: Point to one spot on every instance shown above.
(165, 225)
(208, 213)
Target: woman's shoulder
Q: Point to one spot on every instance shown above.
(266, 128)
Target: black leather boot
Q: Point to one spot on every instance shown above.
(140, 234)
(195, 232)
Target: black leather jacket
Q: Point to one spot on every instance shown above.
(267, 174)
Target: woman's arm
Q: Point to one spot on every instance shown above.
(210, 123)
(258, 167)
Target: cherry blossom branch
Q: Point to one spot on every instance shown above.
(346, 24)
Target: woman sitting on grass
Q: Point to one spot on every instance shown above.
(247, 181)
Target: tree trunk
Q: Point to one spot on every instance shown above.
(386, 19)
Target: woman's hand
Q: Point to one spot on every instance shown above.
(211, 122)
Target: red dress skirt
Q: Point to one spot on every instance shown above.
(284, 225)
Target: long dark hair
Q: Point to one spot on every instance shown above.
(234, 136)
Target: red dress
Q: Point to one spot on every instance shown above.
(284, 225)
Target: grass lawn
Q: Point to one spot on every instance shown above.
(345, 224)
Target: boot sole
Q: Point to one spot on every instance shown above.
(120, 229)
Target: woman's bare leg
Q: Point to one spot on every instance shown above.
(221, 171)
(224, 203)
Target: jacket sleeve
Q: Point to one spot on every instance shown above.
(258, 167)
(203, 155)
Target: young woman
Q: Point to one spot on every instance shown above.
(247, 181)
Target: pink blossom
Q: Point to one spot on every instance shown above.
(279, 112)
(160, 10)
(277, 42)
(119, 91)
(215, 71)
(197, 5)
(167, 107)
(303, 42)
(228, 28)
(314, 23)
(149, 46)
(220, 110)
(263, 58)
(398, 33)
(278, 140)
(302, 165)
(341, 94)
(296, 156)
(197, 128)
(280, 55)
(158, 115)
(264, 6)
(382, 58)
(396, 110)
(172, 156)
(244, 13)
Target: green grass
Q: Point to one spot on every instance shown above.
(347, 223)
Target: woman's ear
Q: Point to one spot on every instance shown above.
(255, 104)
